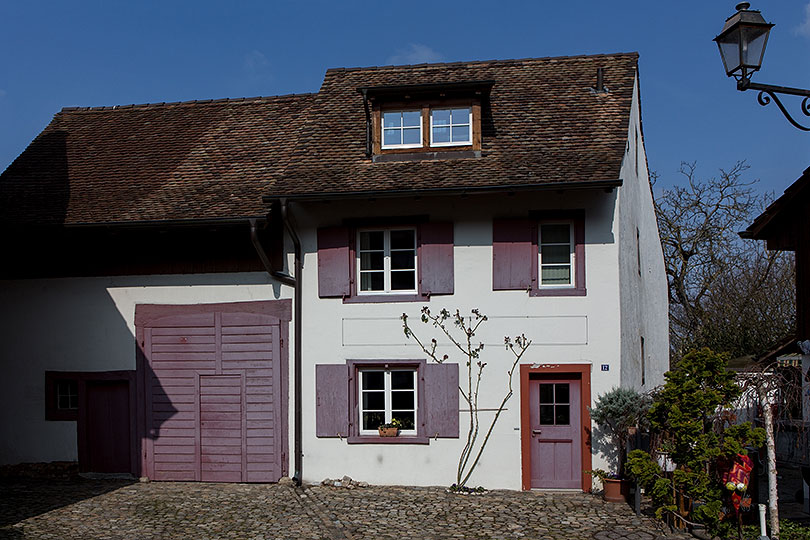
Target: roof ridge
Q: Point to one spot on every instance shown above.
(256, 99)
(479, 62)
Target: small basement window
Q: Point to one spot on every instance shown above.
(67, 395)
(61, 395)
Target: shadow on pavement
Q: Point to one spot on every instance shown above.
(23, 498)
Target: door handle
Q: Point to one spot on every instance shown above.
(536, 432)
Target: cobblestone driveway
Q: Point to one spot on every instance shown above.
(87, 509)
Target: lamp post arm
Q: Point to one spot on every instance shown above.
(770, 91)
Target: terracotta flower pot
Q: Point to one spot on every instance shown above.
(388, 431)
(615, 490)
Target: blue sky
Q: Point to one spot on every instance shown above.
(55, 54)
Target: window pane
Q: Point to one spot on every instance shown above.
(392, 136)
(373, 420)
(372, 240)
(402, 399)
(561, 393)
(374, 401)
(441, 117)
(372, 260)
(563, 416)
(402, 239)
(556, 275)
(546, 393)
(402, 380)
(556, 254)
(441, 134)
(373, 380)
(461, 116)
(555, 234)
(407, 419)
(392, 119)
(402, 260)
(411, 118)
(411, 136)
(372, 281)
(461, 133)
(547, 415)
(403, 280)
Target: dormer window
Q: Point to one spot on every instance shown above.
(402, 129)
(427, 121)
(451, 127)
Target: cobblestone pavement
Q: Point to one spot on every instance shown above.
(86, 509)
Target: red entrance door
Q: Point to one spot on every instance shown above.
(556, 448)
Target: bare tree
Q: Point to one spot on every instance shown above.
(721, 288)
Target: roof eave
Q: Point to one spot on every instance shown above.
(587, 184)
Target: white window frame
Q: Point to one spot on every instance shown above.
(388, 398)
(387, 262)
(452, 143)
(401, 129)
(571, 257)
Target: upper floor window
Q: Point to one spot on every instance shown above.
(556, 254)
(450, 127)
(402, 129)
(387, 261)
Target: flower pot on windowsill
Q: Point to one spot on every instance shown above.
(388, 431)
(615, 490)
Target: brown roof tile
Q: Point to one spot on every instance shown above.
(215, 159)
(544, 126)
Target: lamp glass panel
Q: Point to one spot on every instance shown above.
(754, 39)
(730, 51)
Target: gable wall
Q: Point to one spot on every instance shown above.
(643, 294)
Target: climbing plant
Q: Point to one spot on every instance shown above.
(460, 332)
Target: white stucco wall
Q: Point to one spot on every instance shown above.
(644, 298)
(563, 329)
(84, 324)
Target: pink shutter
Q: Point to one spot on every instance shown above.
(512, 254)
(334, 270)
(332, 400)
(441, 400)
(436, 258)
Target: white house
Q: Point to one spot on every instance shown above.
(212, 290)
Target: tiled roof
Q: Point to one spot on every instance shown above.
(762, 227)
(544, 126)
(217, 159)
(154, 162)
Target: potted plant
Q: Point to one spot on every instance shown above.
(390, 429)
(618, 413)
(612, 485)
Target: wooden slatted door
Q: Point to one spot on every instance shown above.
(211, 381)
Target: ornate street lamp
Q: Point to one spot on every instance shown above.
(742, 47)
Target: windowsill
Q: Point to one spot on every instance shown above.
(376, 439)
(383, 298)
(426, 155)
(553, 291)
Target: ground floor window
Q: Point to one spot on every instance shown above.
(386, 395)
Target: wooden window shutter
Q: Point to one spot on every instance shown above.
(334, 268)
(441, 400)
(331, 400)
(513, 250)
(436, 258)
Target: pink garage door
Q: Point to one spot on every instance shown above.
(212, 392)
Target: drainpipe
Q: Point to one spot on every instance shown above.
(286, 279)
(297, 303)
